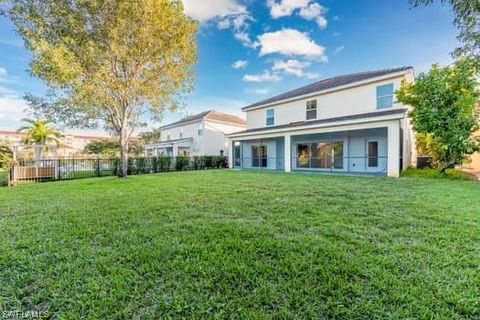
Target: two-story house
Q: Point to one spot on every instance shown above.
(349, 123)
(200, 134)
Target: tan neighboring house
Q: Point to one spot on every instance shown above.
(475, 158)
(200, 134)
(70, 143)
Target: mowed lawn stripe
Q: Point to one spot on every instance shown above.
(242, 244)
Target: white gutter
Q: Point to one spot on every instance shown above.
(395, 116)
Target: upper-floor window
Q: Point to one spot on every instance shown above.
(270, 117)
(311, 109)
(385, 96)
(181, 133)
(200, 130)
(168, 136)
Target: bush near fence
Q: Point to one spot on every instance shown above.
(67, 169)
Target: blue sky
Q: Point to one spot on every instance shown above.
(249, 50)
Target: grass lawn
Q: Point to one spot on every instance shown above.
(217, 244)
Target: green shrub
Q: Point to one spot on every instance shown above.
(450, 174)
(182, 163)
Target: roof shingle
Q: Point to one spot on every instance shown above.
(210, 115)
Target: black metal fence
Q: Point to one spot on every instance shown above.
(28, 171)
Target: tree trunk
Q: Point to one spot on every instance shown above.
(449, 165)
(123, 152)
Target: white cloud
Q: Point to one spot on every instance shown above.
(291, 42)
(311, 11)
(263, 77)
(226, 13)
(291, 66)
(3, 72)
(339, 49)
(262, 91)
(294, 67)
(239, 64)
(306, 9)
(244, 38)
(285, 7)
(11, 110)
(321, 22)
(204, 10)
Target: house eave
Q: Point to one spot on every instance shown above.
(170, 126)
(400, 114)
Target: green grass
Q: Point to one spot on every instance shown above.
(232, 244)
(450, 174)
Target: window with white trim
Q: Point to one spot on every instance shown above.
(181, 133)
(385, 96)
(311, 110)
(200, 130)
(270, 117)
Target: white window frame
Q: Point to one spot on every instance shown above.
(311, 110)
(385, 96)
(267, 117)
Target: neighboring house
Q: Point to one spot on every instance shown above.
(200, 134)
(70, 143)
(474, 159)
(350, 123)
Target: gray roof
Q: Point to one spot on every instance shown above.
(173, 141)
(329, 83)
(209, 115)
(198, 116)
(322, 121)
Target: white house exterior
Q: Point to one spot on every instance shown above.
(200, 134)
(346, 124)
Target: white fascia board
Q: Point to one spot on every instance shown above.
(170, 126)
(365, 123)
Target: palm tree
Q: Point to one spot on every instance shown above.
(39, 133)
(6, 156)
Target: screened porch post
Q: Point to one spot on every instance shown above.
(393, 153)
(231, 146)
(288, 153)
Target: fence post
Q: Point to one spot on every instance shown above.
(59, 170)
(98, 166)
(9, 177)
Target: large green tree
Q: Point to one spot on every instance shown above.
(443, 106)
(107, 148)
(148, 137)
(111, 62)
(110, 148)
(467, 20)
